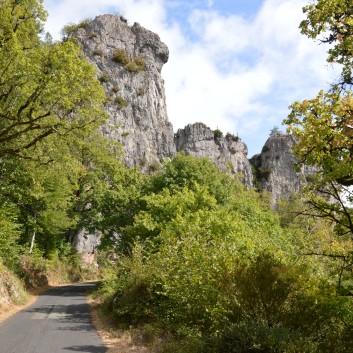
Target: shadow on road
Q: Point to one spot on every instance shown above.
(87, 349)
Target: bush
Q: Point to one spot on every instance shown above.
(120, 56)
(135, 64)
(72, 28)
(232, 137)
(122, 103)
(218, 133)
(104, 78)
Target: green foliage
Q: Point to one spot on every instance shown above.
(188, 171)
(104, 78)
(218, 133)
(72, 28)
(232, 137)
(134, 64)
(120, 56)
(275, 131)
(331, 22)
(137, 64)
(210, 268)
(98, 52)
(46, 88)
(323, 125)
(140, 91)
(122, 103)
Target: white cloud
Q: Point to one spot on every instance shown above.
(224, 70)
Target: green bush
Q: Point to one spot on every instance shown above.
(122, 103)
(232, 137)
(137, 64)
(134, 64)
(104, 78)
(218, 133)
(120, 56)
(72, 28)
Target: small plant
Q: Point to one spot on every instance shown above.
(125, 134)
(154, 167)
(136, 65)
(143, 162)
(120, 56)
(72, 28)
(104, 78)
(98, 52)
(275, 131)
(218, 133)
(122, 103)
(140, 91)
(232, 137)
(264, 172)
(115, 89)
(140, 62)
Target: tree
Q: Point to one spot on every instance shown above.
(45, 88)
(323, 127)
(331, 22)
(275, 131)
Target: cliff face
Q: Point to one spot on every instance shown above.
(228, 153)
(129, 60)
(275, 168)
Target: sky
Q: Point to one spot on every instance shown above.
(235, 65)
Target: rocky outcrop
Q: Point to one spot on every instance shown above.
(11, 289)
(228, 153)
(276, 170)
(129, 60)
(86, 242)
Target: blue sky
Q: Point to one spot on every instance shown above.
(235, 65)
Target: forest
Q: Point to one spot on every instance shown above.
(189, 255)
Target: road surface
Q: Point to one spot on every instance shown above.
(59, 321)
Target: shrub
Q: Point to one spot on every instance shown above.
(72, 28)
(232, 137)
(115, 89)
(140, 91)
(121, 57)
(98, 52)
(218, 133)
(104, 78)
(136, 65)
(122, 103)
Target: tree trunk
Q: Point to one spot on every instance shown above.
(32, 242)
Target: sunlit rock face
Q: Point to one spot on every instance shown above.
(129, 60)
(227, 152)
(276, 170)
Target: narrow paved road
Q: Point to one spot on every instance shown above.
(59, 321)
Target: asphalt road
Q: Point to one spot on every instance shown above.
(59, 321)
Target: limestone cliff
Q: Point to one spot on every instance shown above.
(275, 168)
(228, 153)
(129, 60)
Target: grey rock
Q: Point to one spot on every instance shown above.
(276, 168)
(136, 100)
(227, 153)
(86, 242)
